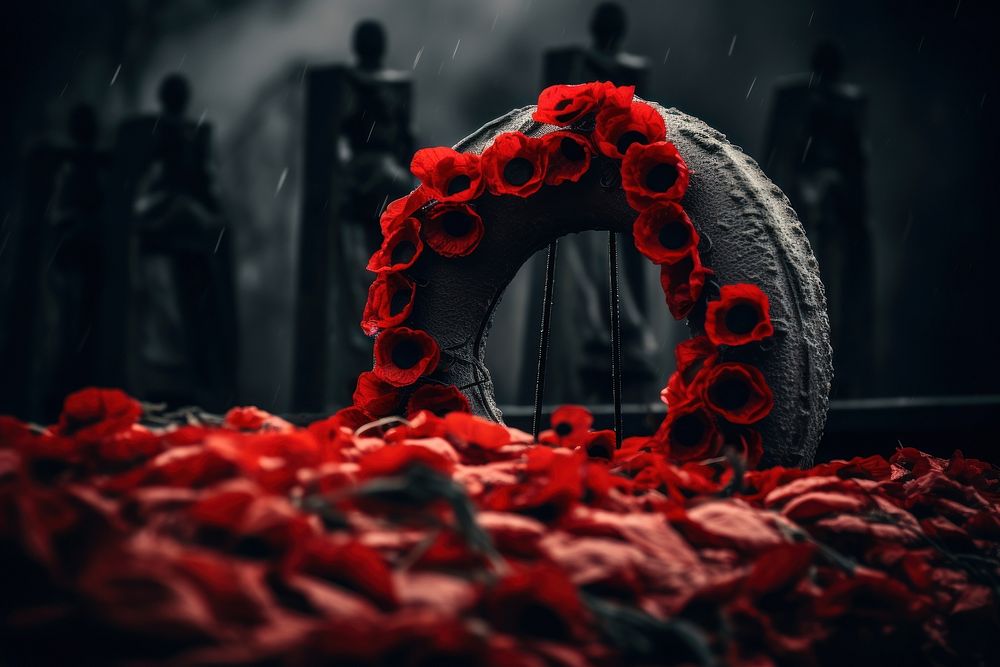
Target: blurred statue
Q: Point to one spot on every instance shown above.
(55, 318)
(357, 153)
(184, 319)
(75, 278)
(581, 369)
(815, 150)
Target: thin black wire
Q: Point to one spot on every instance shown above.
(543, 344)
(616, 336)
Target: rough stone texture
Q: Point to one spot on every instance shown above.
(749, 234)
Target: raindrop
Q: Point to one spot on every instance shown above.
(281, 183)
(732, 45)
(665, 56)
(115, 76)
(63, 91)
(416, 60)
(201, 118)
(811, 16)
(751, 87)
(809, 142)
(957, 6)
(218, 241)
(369, 138)
(495, 19)
(453, 53)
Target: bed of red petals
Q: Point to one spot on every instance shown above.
(453, 540)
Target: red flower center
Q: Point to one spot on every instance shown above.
(406, 354)
(688, 430)
(458, 184)
(571, 150)
(403, 252)
(629, 138)
(742, 318)
(674, 235)
(518, 171)
(730, 393)
(400, 299)
(661, 177)
(456, 223)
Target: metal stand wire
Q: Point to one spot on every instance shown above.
(616, 336)
(543, 344)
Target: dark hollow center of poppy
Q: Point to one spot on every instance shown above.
(398, 302)
(674, 235)
(600, 450)
(563, 429)
(406, 354)
(456, 223)
(661, 177)
(562, 104)
(731, 393)
(518, 171)
(403, 252)
(458, 184)
(629, 138)
(742, 318)
(571, 150)
(688, 430)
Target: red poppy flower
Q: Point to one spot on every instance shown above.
(738, 392)
(375, 396)
(448, 175)
(390, 302)
(664, 233)
(741, 315)
(690, 357)
(353, 566)
(569, 157)
(515, 164)
(564, 105)
(402, 355)
(689, 433)
(400, 249)
(91, 414)
(538, 601)
(653, 173)
(453, 230)
(251, 418)
(682, 283)
(400, 209)
(617, 129)
(440, 399)
(328, 430)
(396, 458)
(570, 426)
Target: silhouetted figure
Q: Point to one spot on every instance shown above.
(581, 371)
(54, 320)
(815, 150)
(357, 153)
(182, 328)
(75, 278)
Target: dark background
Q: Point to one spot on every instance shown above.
(929, 70)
